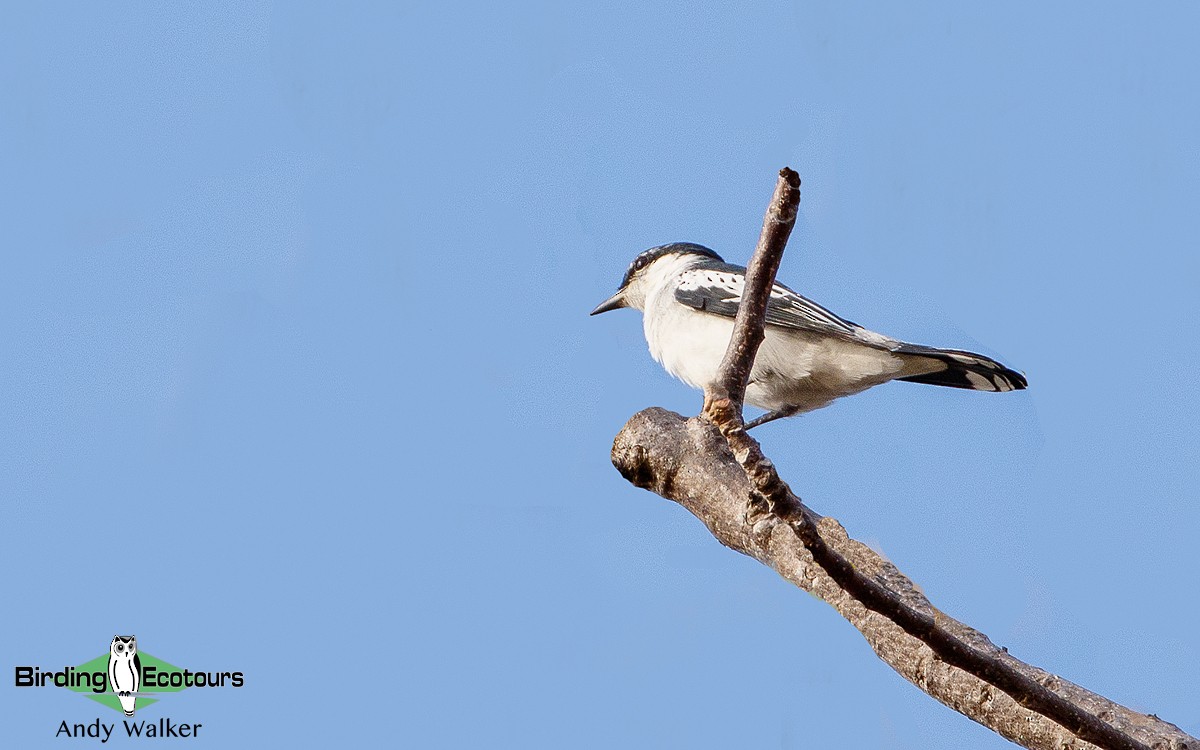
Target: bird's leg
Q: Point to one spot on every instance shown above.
(771, 416)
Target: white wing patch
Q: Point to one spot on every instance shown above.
(720, 292)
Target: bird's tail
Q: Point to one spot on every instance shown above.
(960, 369)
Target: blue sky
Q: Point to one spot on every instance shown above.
(297, 378)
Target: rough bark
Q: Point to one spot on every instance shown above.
(712, 467)
(688, 461)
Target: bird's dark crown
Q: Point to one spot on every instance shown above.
(675, 248)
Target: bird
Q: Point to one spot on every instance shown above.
(124, 671)
(809, 357)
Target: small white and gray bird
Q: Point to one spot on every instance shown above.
(689, 296)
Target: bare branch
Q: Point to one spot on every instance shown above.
(731, 486)
(689, 462)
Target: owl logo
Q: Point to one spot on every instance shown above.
(124, 671)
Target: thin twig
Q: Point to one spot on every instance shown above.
(723, 400)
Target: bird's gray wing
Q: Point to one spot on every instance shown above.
(718, 290)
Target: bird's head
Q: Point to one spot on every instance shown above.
(632, 292)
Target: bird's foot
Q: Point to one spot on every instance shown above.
(771, 416)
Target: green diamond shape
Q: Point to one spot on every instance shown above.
(100, 664)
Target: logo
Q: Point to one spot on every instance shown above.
(126, 679)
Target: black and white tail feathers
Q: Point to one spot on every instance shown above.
(964, 370)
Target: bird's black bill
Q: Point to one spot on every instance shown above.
(615, 302)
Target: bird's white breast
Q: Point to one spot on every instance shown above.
(689, 344)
